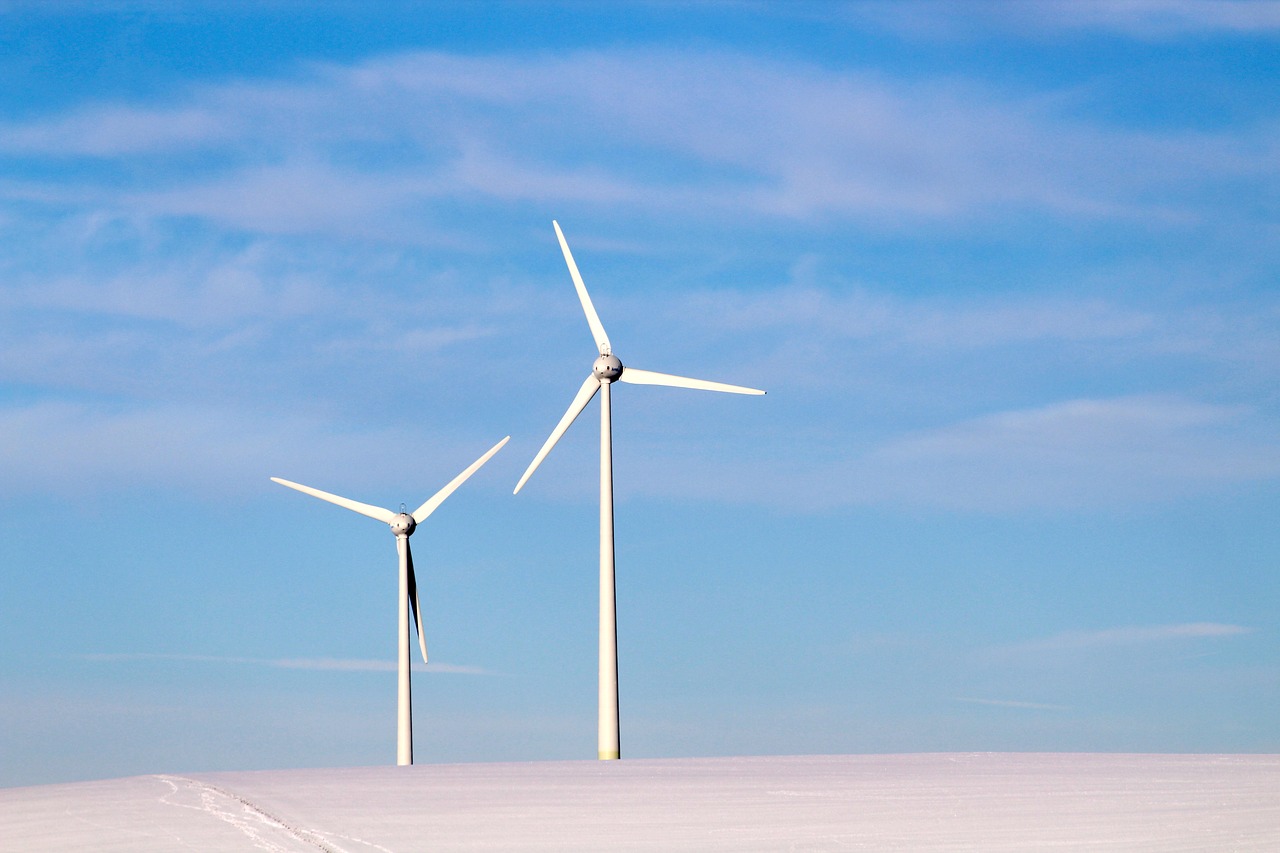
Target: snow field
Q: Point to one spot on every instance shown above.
(927, 802)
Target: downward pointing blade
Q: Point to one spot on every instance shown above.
(648, 377)
(420, 514)
(584, 395)
(383, 515)
(415, 609)
(593, 319)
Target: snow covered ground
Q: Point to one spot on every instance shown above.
(984, 801)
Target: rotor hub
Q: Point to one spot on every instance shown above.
(403, 524)
(607, 368)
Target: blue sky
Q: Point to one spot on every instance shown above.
(1008, 272)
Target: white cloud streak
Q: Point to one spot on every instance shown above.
(113, 131)
(1149, 19)
(1145, 20)
(1073, 453)
(859, 313)
(272, 303)
(72, 449)
(1080, 455)
(1010, 703)
(321, 664)
(1081, 452)
(753, 137)
(1128, 636)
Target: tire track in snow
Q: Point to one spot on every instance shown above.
(266, 831)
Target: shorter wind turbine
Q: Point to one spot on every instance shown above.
(402, 525)
(605, 370)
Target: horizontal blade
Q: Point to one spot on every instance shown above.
(593, 319)
(415, 608)
(383, 515)
(420, 514)
(584, 395)
(648, 377)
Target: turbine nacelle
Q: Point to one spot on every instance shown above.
(402, 524)
(607, 368)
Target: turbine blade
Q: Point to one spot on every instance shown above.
(584, 395)
(415, 608)
(383, 515)
(649, 377)
(593, 319)
(420, 514)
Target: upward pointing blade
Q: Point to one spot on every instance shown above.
(420, 514)
(415, 608)
(383, 515)
(584, 395)
(593, 319)
(648, 377)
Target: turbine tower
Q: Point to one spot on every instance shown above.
(402, 525)
(606, 370)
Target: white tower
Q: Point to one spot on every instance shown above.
(606, 370)
(402, 525)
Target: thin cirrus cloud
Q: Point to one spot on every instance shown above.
(1078, 453)
(1128, 636)
(322, 664)
(1013, 703)
(362, 150)
(861, 313)
(69, 449)
(856, 324)
(186, 293)
(743, 135)
(1086, 454)
(300, 196)
(1148, 20)
(119, 130)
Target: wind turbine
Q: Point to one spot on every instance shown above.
(606, 370)
(402, 525)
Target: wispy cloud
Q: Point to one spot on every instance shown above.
(324, 664)
(328, 149)
(860, 313)
(1084, 455)
(1127, 636)
(266, 279)
(1010, 703)
(81, 451)
(1078, 453)
(1150, 20)
(112, 131)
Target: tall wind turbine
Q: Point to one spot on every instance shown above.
(402, 525)
(606, 370)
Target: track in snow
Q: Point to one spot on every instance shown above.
(944, 802)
